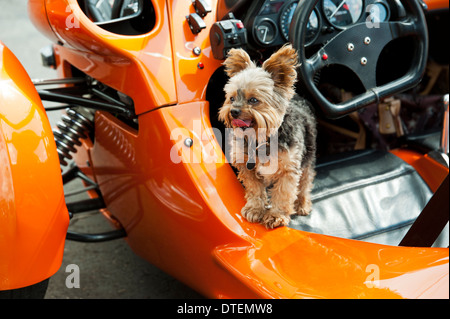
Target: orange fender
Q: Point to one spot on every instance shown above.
(33, 213)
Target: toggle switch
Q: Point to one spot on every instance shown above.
(202, 7)
(196, 24)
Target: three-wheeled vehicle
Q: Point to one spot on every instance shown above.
(142, 82)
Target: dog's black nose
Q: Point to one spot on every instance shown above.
(235, 112)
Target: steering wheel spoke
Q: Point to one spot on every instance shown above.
(316, 62)
(402, 28)
(358, 48)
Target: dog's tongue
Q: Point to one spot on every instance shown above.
(241, 123)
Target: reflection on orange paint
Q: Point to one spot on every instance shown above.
(431, 171)
(33, 215)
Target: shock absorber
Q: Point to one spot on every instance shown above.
(73, 127)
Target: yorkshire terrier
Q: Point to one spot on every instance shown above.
(262, 109)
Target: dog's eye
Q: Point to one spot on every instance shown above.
(253, 100)
(232, 99)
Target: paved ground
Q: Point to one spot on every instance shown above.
(107, 270)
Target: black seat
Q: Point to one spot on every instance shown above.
(367, 195)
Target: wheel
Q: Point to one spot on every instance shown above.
(36, 291)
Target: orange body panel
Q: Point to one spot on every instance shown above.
(286, 263)
(155, 69)
(181, 205)
(431, 171)
(33, 214)
(139, 66)
(191, 81)
(436, 4)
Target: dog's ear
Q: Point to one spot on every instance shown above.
(237, 61)
(282, 67)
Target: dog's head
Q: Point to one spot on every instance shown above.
(257, 97)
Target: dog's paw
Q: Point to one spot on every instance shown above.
(253, 213)
(303, 211)
(303, 208)
(273, 220)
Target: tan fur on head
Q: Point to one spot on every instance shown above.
(254, 82)
(282, 67)
(237, 61)
(272, 85)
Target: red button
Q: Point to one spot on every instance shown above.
(239, 25)
(324, 56)
(200, 65)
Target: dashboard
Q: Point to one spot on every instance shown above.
(269, 21)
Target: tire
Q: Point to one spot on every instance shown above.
(36, 291)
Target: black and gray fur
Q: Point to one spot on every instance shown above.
(299, 128)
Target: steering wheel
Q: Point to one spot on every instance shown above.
(358, 47)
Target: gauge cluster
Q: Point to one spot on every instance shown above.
(269, 21)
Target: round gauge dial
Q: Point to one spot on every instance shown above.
(266, 31)
(286, 18)
(312, 29)
(342, 13)
(378, 12)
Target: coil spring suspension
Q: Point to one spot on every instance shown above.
(73, 127)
